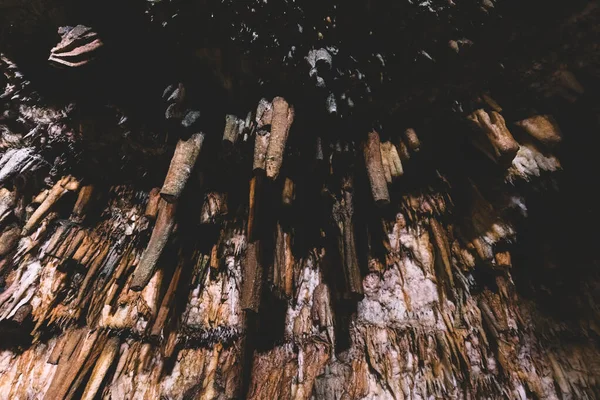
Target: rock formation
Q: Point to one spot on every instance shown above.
(299, 200)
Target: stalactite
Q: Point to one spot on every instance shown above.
(283, 117)
(542, 128)
(501, 147)
(252, 279)
(182, 163)
(342, 241)
(375, 169)
(160, 235)
(66, 184)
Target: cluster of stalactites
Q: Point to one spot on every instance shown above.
(104, 279)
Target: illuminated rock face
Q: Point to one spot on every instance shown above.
(307, 211)
(77, 46)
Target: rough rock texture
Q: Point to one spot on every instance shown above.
(287, 264)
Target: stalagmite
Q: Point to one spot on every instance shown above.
(160, 235)
(372, 154)
(182, 164)
(283, 117)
